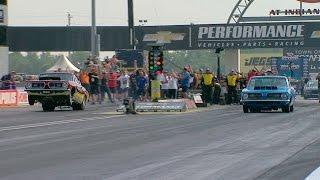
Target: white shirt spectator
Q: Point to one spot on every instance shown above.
(173, 83)
(124, 81)
(164, 81)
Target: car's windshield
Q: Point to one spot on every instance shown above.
(55, 76)
(268, 82)
(312, 84)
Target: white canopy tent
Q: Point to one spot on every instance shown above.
(64, 65)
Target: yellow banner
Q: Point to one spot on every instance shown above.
(260, 59)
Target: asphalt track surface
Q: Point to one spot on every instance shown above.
(219, 143)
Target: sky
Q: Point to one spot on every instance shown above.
(156, 12)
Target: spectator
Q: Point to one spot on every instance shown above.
(142, 85)
(113, 85)
(207, 82)
(133, 84)
(8, 81)
(185, 82)
(84, 79)
(94, 84)
(124, 80)
(232, 79)
(318, 79)
(164, 84)
(104, 88)
(172, 85)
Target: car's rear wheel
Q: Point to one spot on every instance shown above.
(82, 106)
(245, 109)
(31, 102)
(47, 107)
(77, 106)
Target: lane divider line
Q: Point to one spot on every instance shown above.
(26, 126)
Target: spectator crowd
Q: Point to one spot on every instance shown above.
(109, 82)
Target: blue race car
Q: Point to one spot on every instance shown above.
(268, 93)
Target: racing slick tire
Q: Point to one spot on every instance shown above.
(48, 107)
(77, 107)
(286, 109)
(245, 109)
(31, 102)
(291, 108)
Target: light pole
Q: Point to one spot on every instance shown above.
(218, 51)
(94, 45)
(132, 39)
(69, 17)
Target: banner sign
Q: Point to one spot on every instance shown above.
(175, 37)
(311, 56)
(8, 98)
(257, 35)
(258, 59)
(293, 67)
(239, 36)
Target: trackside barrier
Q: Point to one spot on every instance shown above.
(23, 98)
(8, 98)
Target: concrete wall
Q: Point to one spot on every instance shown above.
(231, 60)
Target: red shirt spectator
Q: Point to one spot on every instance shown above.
(113, 80)
(251, 74)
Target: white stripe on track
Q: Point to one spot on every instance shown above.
(26, 126)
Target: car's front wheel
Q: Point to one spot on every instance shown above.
(291, 108)
(286, 109)
(245, 109)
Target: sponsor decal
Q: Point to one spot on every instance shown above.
(164, 37)
(258, 59)
(251, 36)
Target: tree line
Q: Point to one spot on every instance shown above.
(35, 63)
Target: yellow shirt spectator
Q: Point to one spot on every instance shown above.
(208, 79)
(232, 80)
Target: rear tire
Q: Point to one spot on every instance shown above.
(48, 107)
(245, 109)
(75, 106)
(31, 102)
(82, 106)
